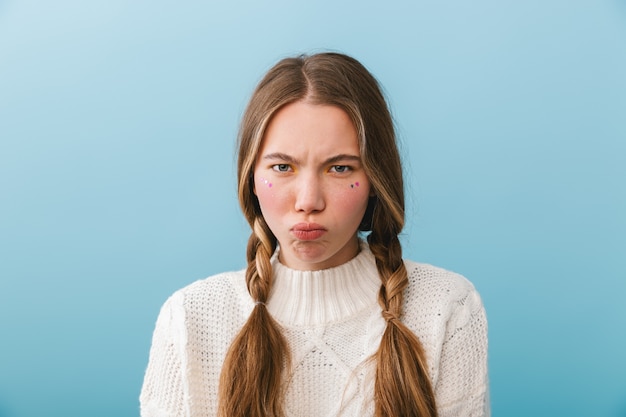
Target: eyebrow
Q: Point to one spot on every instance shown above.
(333, 159)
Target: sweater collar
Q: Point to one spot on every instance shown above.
(319, 297)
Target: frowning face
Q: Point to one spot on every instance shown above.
(311, 185)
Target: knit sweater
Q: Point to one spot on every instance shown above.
(332, 322)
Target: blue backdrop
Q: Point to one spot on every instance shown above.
(117, 185)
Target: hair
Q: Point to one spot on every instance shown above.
(251, 383)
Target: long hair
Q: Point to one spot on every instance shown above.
(251, 379)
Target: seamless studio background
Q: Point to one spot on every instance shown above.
(117, 180)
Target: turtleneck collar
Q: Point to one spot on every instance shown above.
(318, 297)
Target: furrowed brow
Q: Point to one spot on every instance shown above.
(278, 156)
(343, 158)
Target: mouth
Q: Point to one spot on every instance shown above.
(308, 231)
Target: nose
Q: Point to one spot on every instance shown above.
(310, 194)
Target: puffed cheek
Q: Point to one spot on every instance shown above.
(261, 184)
(353, 197)
(267, 194)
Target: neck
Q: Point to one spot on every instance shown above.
(319, 297)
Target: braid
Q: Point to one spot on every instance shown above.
(261, 246)
(402, 386)
(250, 383)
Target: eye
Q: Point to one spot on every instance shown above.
(340, 168)
(281, 167)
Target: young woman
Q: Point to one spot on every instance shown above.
(327, 319)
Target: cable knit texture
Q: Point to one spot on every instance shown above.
(333, 324)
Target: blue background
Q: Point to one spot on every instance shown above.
(117, 184)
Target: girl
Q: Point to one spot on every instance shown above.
(327, 319)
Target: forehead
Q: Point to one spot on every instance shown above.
(302, 126)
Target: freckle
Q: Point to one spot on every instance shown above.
(351, 185)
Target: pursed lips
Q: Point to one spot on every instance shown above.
(308, 231)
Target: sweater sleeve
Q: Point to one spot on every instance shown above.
(462, 389)
(163, 391)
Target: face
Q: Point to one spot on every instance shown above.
(311, 186)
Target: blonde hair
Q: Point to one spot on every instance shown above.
(251, 379)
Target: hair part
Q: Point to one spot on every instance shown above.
(252, 374)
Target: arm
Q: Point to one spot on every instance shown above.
(163, 391)
(462, 389)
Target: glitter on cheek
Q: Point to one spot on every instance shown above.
(356, 184)
(266, 182)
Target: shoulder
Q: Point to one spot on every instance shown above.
(215, 286)
(440, 297)
(429, 281)
(222, 294)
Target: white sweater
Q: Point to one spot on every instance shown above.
(332, 322)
